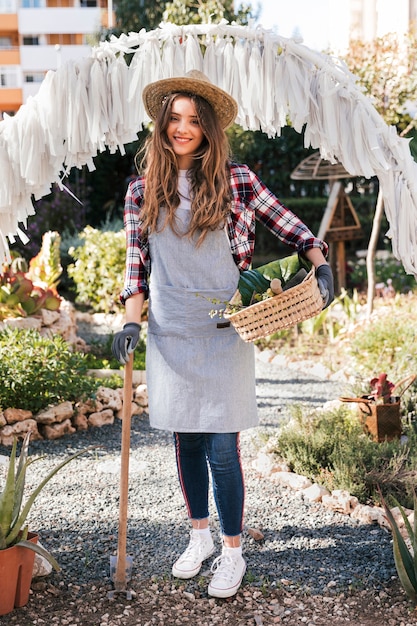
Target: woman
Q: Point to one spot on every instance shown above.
(190, 228)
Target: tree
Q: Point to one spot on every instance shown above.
(133, 15)
(198, 12)
(386, 69)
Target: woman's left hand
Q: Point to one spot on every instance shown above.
(325, 281)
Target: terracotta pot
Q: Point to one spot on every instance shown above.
(16, 567)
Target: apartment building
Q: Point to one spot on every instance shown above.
(39, 35)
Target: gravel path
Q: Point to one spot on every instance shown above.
(307, 551)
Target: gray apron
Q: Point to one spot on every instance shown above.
(200, 378)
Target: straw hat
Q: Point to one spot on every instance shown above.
(194, 82)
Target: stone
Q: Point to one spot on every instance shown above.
(19, 429)
(2, 419)
(80, 421)
(66, 325)
(315, 492)
(289, 479)
(366, 514)
(266, 464)
(30, 322)
(140, 395)
(57, 413)
(340, 501)
(16, 415)
(49, 317)
(109, 398)
(55, 431)
(135, 409)
(256, 534)
(46, 417)
(90, 406)
(101, 418)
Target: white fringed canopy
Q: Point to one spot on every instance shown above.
(87, 106)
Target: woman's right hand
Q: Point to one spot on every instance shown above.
(125, 341)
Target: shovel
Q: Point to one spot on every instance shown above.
(121, 565)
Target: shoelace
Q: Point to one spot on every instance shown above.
(195, 546)
(222, 567)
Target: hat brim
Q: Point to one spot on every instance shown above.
(223, 104)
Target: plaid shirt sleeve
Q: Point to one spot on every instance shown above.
(138, 263)
(252, 200)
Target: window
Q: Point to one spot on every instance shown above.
(36, 77)
(32, 4)
(9, 76)
(8, 6)
(88, 3)
(5, 43)
(30, 40)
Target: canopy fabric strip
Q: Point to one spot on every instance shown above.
(88, 106)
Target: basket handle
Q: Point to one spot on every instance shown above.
(403, 385)
(358, 400)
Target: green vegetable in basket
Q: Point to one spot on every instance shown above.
(257, 281)
(250, 282)
(285, 268)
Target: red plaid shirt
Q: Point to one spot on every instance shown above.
(251, 201)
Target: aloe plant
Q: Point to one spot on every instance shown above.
(405, 558)
(13, 513)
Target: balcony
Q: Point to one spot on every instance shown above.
(59, 20)
(44, 58)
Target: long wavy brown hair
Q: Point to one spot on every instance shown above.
(209, 176)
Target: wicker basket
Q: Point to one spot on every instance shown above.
(284, 310)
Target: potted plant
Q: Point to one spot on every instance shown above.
(17, 545)
(379, 409)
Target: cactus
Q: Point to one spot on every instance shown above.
(405, 558)
(13, 514)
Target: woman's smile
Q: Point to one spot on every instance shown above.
(184, 132)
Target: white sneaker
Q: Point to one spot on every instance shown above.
(229, 569)
(199, 549)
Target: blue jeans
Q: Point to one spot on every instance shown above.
(195, 453)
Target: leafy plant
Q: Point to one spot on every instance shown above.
(37, 371)
(45, 268)
(99, 268)
(331, 448)
(405, 558)
(19, 297)
(13, 513)
(387, 344)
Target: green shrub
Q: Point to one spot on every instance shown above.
(388, 344)
(330, 448)
(37, 371)
(99, 269)
(386, 269)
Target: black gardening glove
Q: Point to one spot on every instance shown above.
(125, 341)
(326, 284)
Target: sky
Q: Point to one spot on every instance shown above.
(320, 23)
(324, 24)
